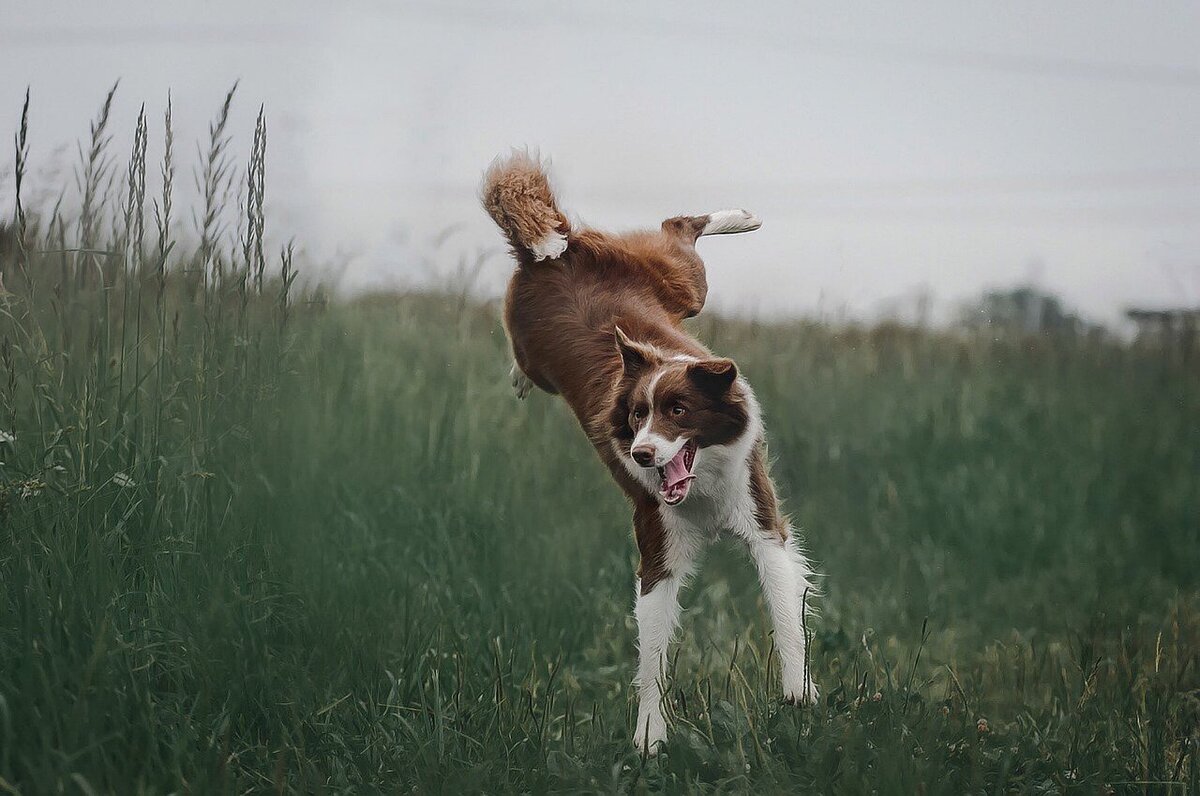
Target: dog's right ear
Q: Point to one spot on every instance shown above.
(634, 356)
(714, 376)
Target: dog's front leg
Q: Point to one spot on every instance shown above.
(787, 585)
(667, 559)
(657, 614)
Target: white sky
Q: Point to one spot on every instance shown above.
(949, 146)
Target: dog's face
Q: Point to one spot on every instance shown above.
(668, 409)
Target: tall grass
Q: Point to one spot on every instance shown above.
(251, 540)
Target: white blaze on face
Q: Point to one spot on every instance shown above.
(664, 449)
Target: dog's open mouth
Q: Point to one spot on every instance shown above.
(677, 475)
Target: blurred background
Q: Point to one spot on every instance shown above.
(905, 159)
(261, 532)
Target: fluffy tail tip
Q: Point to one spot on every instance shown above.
(516, 193)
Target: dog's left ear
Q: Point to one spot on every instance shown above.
(634, 356)
(714, 376)
(722, 222)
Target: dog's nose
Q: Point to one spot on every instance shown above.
(643, 455)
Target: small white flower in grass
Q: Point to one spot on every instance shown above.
(7, 436)
(122, 480)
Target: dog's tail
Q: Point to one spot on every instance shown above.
(516, 193)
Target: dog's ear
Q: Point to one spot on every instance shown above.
(722, 222)
(714, 376)
(634, 356)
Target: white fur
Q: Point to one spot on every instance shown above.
(657, 619)
(664, 449)
(643, 475)
(551, 246)
(722, 477)
(654, 380)
(720, 501)
(725, 222)
(785, 578)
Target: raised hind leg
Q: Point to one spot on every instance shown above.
(684, 231)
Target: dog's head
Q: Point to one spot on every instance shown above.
(670, 408)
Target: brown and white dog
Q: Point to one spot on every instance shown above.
(596, 318)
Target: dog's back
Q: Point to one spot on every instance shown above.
(573, 285)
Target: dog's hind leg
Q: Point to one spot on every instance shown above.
(682, 232)
(721, 222)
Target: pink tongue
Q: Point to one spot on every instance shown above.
(677, 471)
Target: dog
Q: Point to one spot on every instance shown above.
(596, 318)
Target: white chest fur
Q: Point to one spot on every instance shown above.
(720, 500)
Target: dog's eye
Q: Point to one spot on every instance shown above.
(678, 410)
(638, 414)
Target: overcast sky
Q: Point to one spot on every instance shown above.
(888, 148)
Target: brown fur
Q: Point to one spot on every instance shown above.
(713, 406)
(651, 541)
(766, 506)
(517, 195)
(562, 317)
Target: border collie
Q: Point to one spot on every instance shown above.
(596, 318)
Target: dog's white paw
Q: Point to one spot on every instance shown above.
(650, 735)
(725, 222)
(521, 383)
(800, 695)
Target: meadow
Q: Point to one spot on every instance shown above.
(256, 539)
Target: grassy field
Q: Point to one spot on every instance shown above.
(253, 540)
